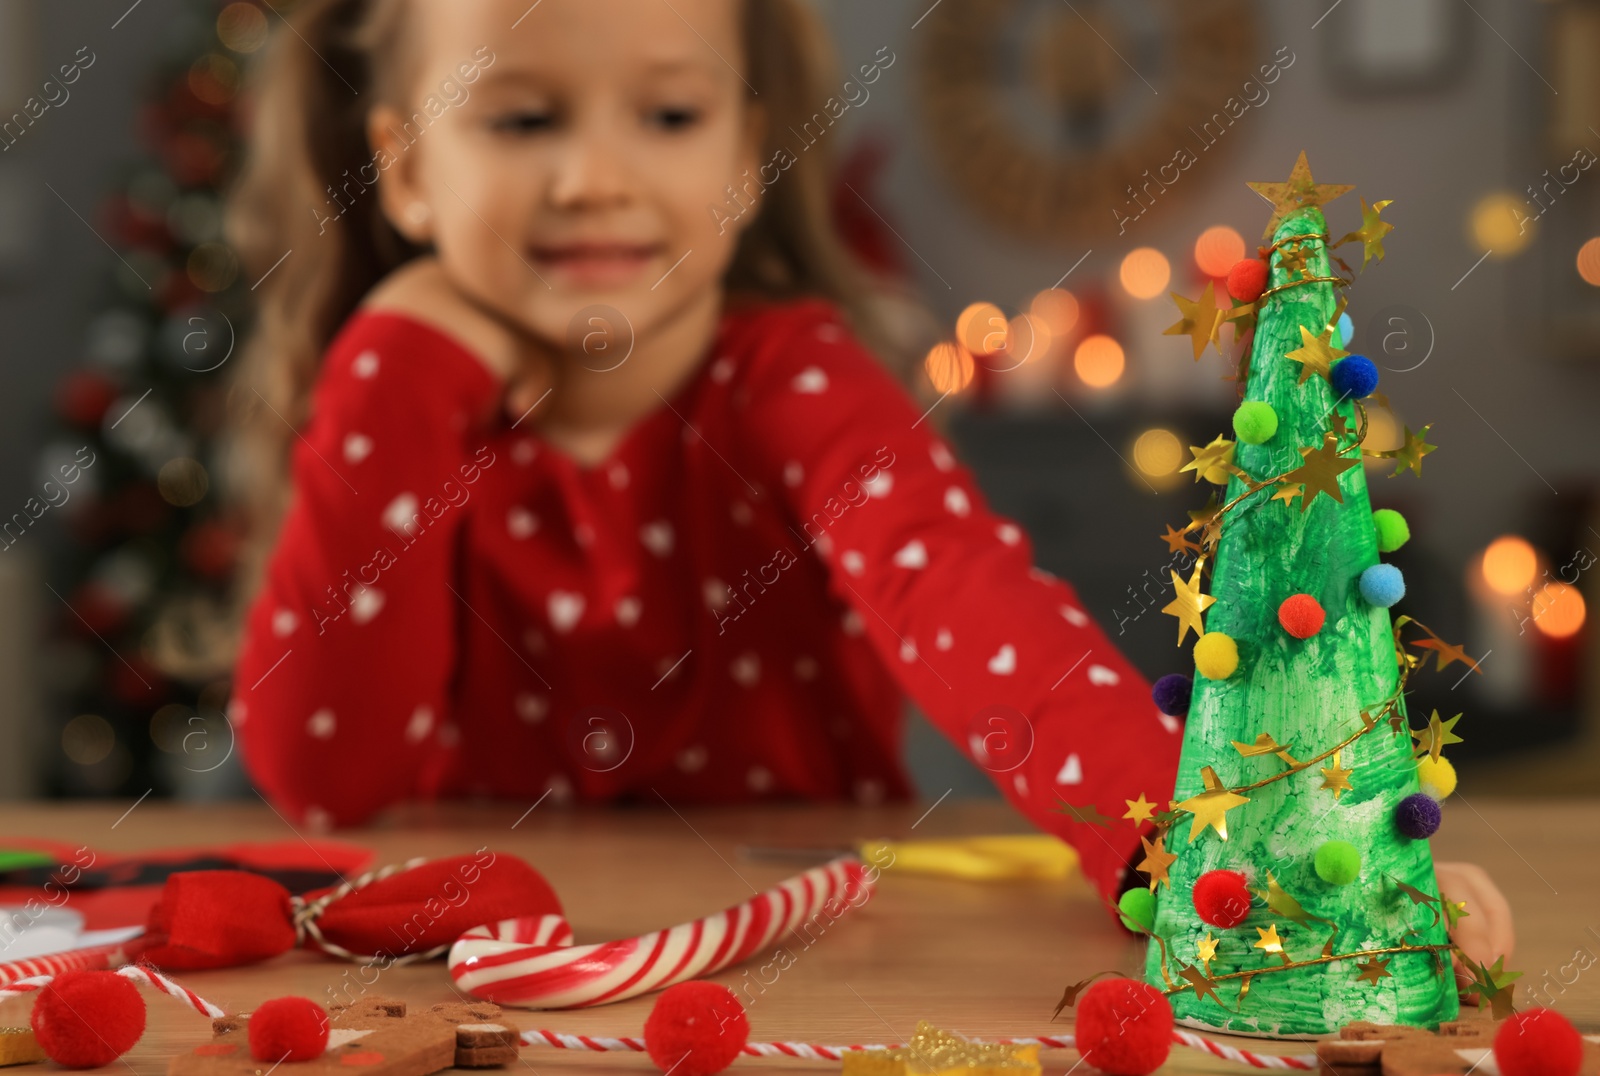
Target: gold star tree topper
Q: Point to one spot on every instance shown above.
(1297, 192)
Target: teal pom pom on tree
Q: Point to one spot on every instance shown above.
(1299, 745)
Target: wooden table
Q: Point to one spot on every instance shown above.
(983, 959)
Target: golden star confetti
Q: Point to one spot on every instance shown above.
(1371, 232)
(1448, 653)
(1316, 354)
(1269, 942)
(1264, 745)
(1409, 455)
(1189, 605)
(1297, 192)
(1201, 320)
(1293, 258)
(1203, 985)
(1206, 951)
(1211, 807)
(1372, 969)
(1219, 453)
(1288, 491)
(1156, 861)
(1320, 472)
(1433, 737)
(1178, 541)
(932, 1051)
(1139, 810)
(1334, 779)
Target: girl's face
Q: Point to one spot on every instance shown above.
(572, 154)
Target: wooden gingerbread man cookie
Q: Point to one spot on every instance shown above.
(1458, 1047)
(373, 1036)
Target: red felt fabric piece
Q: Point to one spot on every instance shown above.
(126, 906)
(212, 919)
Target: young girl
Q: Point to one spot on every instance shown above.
(596, 495)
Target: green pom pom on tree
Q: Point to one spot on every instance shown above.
(1338, 862)
(1138, 908)
(1255, 422)
(1393, 530)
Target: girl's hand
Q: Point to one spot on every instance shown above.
(1485, 933)
(420, 289)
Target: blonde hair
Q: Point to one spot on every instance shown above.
(309, 130)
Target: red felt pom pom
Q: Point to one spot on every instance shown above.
(1124, 1027)
(1221, 899)
(1247, 279)
(85, 1019)
(696, 1029)
(1301, 615)
(288, 1029)
(1538, 1042)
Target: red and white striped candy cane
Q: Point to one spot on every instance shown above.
(89, 958)
(820, 1052)
(531, 962)
(138, 973)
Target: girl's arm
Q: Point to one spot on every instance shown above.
(341, 690)
(949, 594)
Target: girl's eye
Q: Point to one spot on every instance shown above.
(675, 119)
(523, 122)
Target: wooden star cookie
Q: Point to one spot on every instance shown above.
(1458, 1047)
(373, 1036)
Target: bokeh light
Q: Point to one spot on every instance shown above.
(1158, 452)
(1058, 309)
(1589, 262)
(1558, 610)
(1509, 565)
(87, 739)
(214, 79)
(1028, 339)
(242, 27)
(981, 329)
(182, 482)
(1217, 249)
(1099, 361)
(1145, 273)
(949, 368)
(1500, 225)
(212, 267)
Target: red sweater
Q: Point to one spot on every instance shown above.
(728, 609)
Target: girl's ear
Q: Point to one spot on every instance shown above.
(399, 193)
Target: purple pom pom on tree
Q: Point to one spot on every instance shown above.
(1418, 816)
(1171, 694)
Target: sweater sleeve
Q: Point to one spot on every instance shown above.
(341, 688)
(998, 654)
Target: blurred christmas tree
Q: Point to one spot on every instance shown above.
(140, 649)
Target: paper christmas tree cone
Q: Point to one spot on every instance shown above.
(1311, 955)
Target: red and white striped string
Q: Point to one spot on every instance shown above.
(805, 1050)
(820, 1052)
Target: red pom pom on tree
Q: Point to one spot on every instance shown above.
(1247, 279)
(1221, 898)
(696, 1029)
(85, 1019)
(1124, 1027)
(1301, 615)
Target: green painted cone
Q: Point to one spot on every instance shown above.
(1309, 695)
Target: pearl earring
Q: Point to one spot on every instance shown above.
(417, 213)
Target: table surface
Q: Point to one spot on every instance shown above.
(986, 960)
